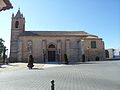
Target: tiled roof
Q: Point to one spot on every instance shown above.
(28, 33)
(55, 33)
(5, 4)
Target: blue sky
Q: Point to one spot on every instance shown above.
(99, 17)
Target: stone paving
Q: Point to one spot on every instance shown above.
(16, 66)
(21, 66)
(101, 75)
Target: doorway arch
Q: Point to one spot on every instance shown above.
(97, 58)
(83, 58)
(51, 53)
(107, 53)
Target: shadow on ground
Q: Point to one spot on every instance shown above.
(37, 69)
(77, 63)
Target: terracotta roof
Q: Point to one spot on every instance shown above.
(55, 33)
(5, 4)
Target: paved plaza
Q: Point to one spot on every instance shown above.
(101, 75)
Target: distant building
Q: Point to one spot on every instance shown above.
(109, 53)
(50, 46)
(117, 53)
(112, 54)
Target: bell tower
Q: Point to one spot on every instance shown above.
(17, 27)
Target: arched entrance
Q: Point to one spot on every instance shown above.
(83, 58)
(97, 58)
(51, 53)
(107, 53)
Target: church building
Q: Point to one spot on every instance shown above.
(50, 46)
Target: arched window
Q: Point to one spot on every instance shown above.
(51, 46)
(16, 24)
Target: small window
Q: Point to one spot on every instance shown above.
(16, 24)
(93, 44)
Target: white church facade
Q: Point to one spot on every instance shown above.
(50, 46)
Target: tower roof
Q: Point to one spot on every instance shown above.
(18, 15)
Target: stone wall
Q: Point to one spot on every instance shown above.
(92, 53)
(74, 47)
(63, 45)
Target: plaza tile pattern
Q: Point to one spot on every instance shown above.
(102, 75)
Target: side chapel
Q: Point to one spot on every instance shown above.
(50, 46)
